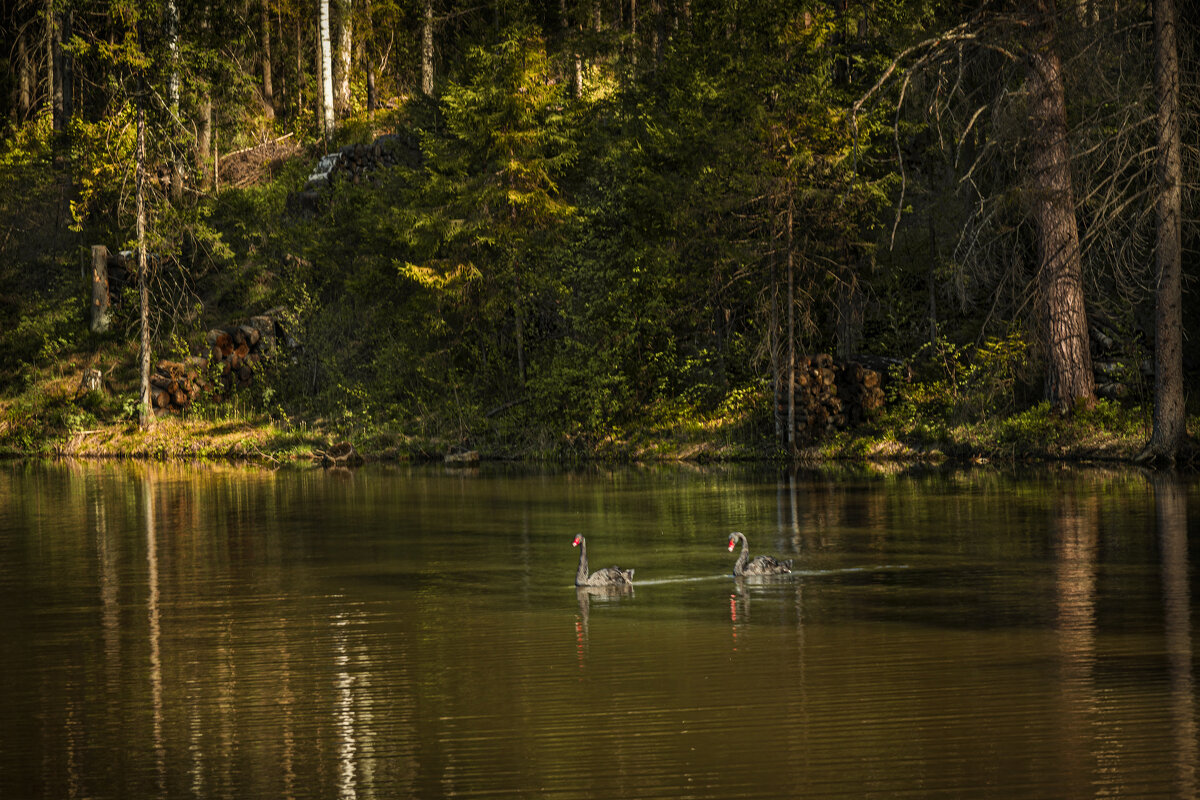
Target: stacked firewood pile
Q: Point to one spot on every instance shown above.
(355, 162)
(175, 384)
(236, 353)
(831, 395)
(237, 350)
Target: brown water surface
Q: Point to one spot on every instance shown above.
(413, 632)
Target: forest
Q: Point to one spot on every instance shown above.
(581, 228)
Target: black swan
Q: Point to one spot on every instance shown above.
(761, 565)
(609, 576)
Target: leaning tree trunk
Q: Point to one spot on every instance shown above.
(146, 415)
(1069, 377)
(1169, 414)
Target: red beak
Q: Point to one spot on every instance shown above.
(731, 545)
(576, 542)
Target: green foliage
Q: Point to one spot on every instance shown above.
(956, 384)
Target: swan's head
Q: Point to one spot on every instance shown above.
(733, 537)
(578, 541)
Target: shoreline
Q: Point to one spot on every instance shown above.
(265, 443)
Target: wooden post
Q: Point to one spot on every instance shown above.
(100, 296)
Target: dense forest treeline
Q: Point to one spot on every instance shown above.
(570, 222)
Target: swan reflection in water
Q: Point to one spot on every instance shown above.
(601, 594)
(770, 588)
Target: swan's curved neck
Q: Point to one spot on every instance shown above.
(582, 575)
(743, 557)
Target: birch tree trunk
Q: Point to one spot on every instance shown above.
(172, 19)
(146, 414)
(1069, 377)
(342, 64)
(1169, 414)
(326, 62)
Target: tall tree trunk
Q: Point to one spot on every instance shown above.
(773, 322)
(656, 33)
(367, 42)
(931, 279)
(146, 415)
(55, 67)
(172, 19)
(204, 127)
(326, 64)
(205, 117)
(268, 89)
(1170, 427)
(1069, 377)
(791, 325)
(427, 50)
(633, 34)
(50, 51)
(66, 77)
(25, 89)
(577, 59)
(299, 68)
(342, 64)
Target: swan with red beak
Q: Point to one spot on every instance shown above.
(760, 565)
(609, 576)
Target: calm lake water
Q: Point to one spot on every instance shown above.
(224, 632)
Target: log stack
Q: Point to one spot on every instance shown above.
(237, 351)
(356, 162)
(831, 395)
(861, 390)
(175, 384)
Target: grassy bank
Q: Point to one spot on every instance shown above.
(52, 418)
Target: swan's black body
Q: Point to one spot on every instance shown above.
(609, 576)
(761, 565)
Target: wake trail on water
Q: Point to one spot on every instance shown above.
(796, 573)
